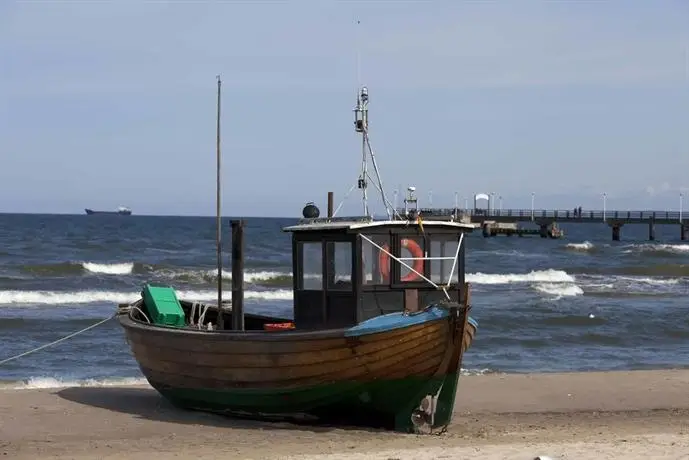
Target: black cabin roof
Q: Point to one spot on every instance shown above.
(350, 224)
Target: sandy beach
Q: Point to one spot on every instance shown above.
(640, 414)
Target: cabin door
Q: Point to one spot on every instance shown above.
(324, 294)
(340, 298)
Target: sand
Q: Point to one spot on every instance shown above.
(641, 414)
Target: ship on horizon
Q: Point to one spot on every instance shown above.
(122, 211)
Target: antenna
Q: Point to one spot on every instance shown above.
(358, 52)
(217, 210)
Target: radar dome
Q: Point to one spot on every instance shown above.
(310, 211)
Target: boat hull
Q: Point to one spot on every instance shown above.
(119, 213)
(372, 403)
(360, 375)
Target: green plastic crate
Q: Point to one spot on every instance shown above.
(163, 306)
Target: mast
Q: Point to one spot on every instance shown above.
(218, 235)
(361, 126)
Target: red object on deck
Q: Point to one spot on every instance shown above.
(278, 326)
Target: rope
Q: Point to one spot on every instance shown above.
(134, 307)
(193, 313)
(203, 309)
(74, 334)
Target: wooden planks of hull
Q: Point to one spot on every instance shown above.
(387, 393)
(363, 361)
(317, 353)
(469, 334)
(252, 343)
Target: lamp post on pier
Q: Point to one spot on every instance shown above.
(680, 206)
(533, 199)
(605, 195)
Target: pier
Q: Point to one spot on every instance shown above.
(492, 228)
(545, 218)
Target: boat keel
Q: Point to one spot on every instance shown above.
(412, 405)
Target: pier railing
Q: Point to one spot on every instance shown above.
(562, 215)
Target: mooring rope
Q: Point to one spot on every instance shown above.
(67, 337)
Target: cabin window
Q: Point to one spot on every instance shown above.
(411, 253)
(312, 266)
(372, 257)
(443, 246)
(340, 270)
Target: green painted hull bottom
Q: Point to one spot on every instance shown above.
(381, 403)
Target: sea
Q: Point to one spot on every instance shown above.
(579, 303)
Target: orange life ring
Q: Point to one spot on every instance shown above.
(416, 252)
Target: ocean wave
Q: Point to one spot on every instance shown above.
(584, 246)
(559, 290)
(659, 249)
(85, 297)
(35, 383)
(654, 281)
(200, 276)
(109, 269)
(267, 278)
(645, 270)
(631, 286)
(77, 268)
(512, 253)
(264, 278)
(536, 276)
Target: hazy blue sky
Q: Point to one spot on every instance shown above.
(109, 103)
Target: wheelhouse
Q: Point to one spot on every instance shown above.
(349, 270)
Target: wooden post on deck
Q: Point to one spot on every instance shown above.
(238, 275)
(330, 204)
(466, 295)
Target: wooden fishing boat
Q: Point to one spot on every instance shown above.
(376, 338)
(356, 347)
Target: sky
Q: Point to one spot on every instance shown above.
(108, 103)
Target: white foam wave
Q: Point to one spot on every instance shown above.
(476, 371)
(674, 248)
(600, 284)
(538, 276)
(585, 246)
(51, 382)
(82, 297)
(559, 290)
(109, 269)
(655, 281)
(35, 383)
(250, 277)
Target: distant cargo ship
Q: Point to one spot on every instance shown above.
(122, 211)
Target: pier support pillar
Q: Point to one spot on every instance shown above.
(651, 231)
(486, 229)
(682, 232)
(544, 230)
(616, 232)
